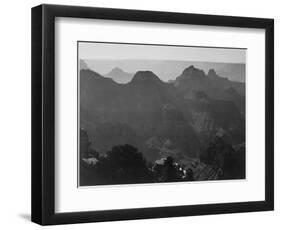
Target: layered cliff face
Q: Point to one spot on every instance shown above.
(215, 108)
(227, 162)
(215, 117)
(161, 119)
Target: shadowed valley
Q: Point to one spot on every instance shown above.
(145, 130)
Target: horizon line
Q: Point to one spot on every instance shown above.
(131, 59)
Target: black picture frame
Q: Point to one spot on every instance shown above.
(43, 114)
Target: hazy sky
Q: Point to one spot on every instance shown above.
(89, 50)
(166, 61)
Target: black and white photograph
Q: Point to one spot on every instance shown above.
(150, 113)
(147, 113)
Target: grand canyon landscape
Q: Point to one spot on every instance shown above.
(140, 127)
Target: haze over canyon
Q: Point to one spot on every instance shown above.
(193, 123)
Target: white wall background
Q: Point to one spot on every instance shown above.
(15, 113)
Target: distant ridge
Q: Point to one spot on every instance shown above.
(119, 75)
(169, 69)
(194, 79)
(83, 65)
